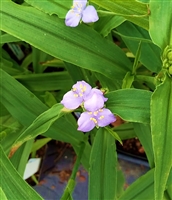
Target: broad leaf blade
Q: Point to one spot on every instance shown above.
(161, 22)
(130, 104)
(81, 46)
(46, 81)
(50, 7)
(103, 167)
(161, 126)
(131, 10)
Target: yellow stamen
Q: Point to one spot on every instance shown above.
(101, 117)
(94, 120)
(74, 89)
(75, 95)
(96, 112)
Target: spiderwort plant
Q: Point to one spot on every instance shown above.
(80, 11)
(92, 100)
(140, 88)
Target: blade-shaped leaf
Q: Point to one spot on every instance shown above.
(46, 81)
(161, 22)
(161, 127)
(57, 7)
(131, 10)
(20, 158)
(41, 124)
(149, 54)
(130, 104)
(103, 167)
(106, 23)
(143, 132)
(81, 46)
(12, 184)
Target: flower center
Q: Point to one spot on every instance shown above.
(77, 8)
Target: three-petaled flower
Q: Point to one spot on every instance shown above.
(92, 100)
(99, 118)
(80, 11)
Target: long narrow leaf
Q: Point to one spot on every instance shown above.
(161, 126)
(81, 46)
(12, 184)
(103, 167)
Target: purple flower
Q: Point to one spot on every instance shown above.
(95, 100)
(80, 11)
(74, 98)
(99, 118)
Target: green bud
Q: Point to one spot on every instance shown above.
(170, 70)
(169, 56)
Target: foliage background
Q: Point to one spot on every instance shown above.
(135, 70)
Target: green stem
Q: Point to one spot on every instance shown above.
(67, 195)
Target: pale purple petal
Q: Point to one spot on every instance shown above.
(95, 91)
(89, 14)
(94, 103)
(95, 100)
(71, 100)
(72, 18)
(80, 3)
(82, 88)
(85, 123)
(105, 117)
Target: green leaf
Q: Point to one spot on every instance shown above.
(103, 167)
(46, 81)
(150, 54)
(6, 38)
(125, 131)
(142, 188)
(143, 132)
(66, 43)
(51, 7)
(160, 22)
(39, 143)
(132, 105)
(41, 124)
(20, 158)
(2, 195)
(143, 1)
(128, 80)
(14, 187)
(106, 23)
(114, 134)
(131, 10)
(161, 126)
(38, 58)
(78, 74)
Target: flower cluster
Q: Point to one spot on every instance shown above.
(92, 100)
(80, 11)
